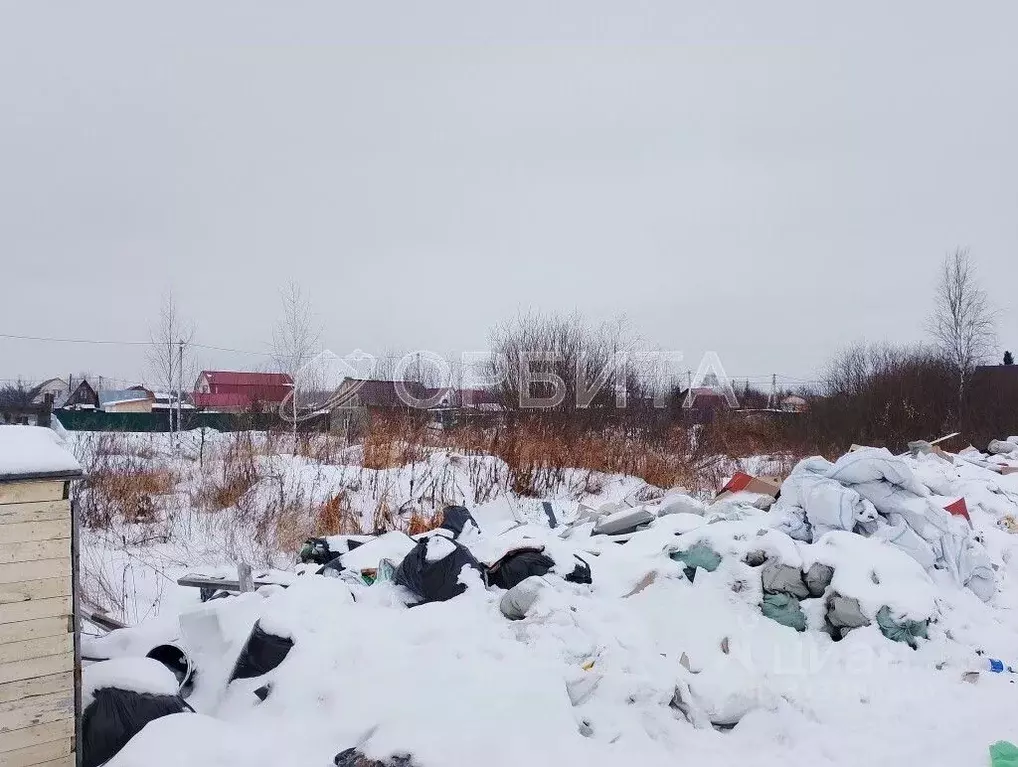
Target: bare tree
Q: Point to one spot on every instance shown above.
(962, 322)
(296, 341)
(168, 353)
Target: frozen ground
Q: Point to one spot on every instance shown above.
(678, 672)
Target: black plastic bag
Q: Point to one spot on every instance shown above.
(517, 566)
(435, 581)
(333, 567)
(580, 573)
(456, 518)
(115, 716)
(261, 653)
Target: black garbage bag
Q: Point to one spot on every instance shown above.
(580, 573)
(456, 518)
(354, 758)
(115, 716)
(333, 567)
(261, 653)
(516, 566)
(439, 580)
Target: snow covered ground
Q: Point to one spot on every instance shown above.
(643, 666)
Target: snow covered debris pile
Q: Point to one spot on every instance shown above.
(876, 494)
(700, 632)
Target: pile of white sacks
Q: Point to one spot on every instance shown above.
(899, 500)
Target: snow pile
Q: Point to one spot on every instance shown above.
(27, 451)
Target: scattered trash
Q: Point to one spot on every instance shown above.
(548, 510)
(698, 556)
(119, 697)
(516, 566)
(784, 609)
(179, 664)
(624, 521)
(642, 584)
(354, 758)
(516, 603)
(907, 631)
(757, 491)
(998, 666)
(778, 578)
(843, 614)
(457, 519)
(433, 573)
(261, 653)
(818, 577)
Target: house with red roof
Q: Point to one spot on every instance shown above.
(234, 391)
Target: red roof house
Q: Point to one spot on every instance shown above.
(238, 391)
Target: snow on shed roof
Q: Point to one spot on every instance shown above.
(28, 452)
(113, 396)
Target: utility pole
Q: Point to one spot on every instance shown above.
(772, 399)
(180, 377)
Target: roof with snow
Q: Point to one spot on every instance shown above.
(119, 396)
(34, 452)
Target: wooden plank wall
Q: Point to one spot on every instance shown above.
(37, 657)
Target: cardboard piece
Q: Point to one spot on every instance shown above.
(747, 483)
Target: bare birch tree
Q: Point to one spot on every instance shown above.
(962, 322)
(296, 341)
(164, 357)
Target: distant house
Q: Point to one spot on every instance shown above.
(125, 401)
(231, 391)
(381, 395)
(81, 397)
(56, 387)
(793, 403)
(162, 401)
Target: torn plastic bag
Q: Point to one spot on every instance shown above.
(907, 631)
(818, 578)
(333, 567)
(261, 653)
(785, 610)
(518, 600)
(114, 716)
(518, 565)
(456, 519)
(844, 614)
(580, 573)
(778, 578)
(439, 579)
(699, 555)
(317, 550)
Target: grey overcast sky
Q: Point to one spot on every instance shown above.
(766, 180)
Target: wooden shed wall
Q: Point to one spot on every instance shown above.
(37, 647)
